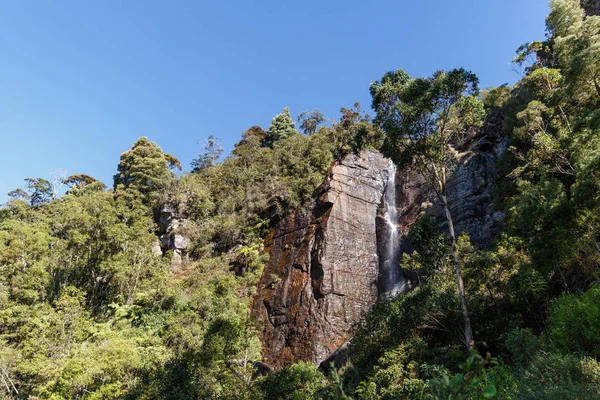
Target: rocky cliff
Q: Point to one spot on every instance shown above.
(591, 7)
(324, 268)
(171, 219)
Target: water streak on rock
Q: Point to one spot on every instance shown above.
(390, 270)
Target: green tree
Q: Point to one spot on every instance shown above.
(40, 191)
(143, 169)
(298, 382)
(212, 151)
(81, 184)
(424, 119)
(577, 46)
(282, 127)
(310, 120)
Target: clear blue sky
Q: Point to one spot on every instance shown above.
(81, 80)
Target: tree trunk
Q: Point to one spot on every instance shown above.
(469, 340)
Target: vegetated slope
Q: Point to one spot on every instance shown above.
(89, 310)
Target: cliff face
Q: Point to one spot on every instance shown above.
(471, 191)
(324, 269)
(591, 7)
(170, 219)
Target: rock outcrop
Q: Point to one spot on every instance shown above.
(323, 268)
(170, 221)
(591, 7)
(472, 188)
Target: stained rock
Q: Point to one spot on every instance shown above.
(323, 268)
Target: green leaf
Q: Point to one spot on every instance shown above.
(489, 391)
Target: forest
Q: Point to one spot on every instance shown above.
(91, 309)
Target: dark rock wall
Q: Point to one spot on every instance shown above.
(591, 7)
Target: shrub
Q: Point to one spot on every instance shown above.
(522, 345)
(554, 376)
(574, 323)
(296, 382)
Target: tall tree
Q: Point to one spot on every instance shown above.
(310, 120)
(282, 127)
(577, 46)
(40, 191)
(423, 119)
(81, 184)
(143, 169)
(212, 151)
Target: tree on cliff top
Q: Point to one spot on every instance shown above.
(310, 120)
(282, 127)
(424, 119)
(212, 151)
(143, 169)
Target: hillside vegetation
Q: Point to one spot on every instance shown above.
(89, 311)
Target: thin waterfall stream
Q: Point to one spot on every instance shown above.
(390, 268)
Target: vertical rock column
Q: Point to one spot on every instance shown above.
(323, 268)
(170, 221)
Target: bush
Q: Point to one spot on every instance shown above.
(296, 382)
(554, 376)
(574, 323)
(396, 374)
(522, 345)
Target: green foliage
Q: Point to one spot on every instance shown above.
(282, 127)
(310, 120)
(143, 170)
(431, 249)
(467, 384)
(88, 311)
(82, 184)
(522, 344)
(552, 376)
(418, 115)
(396, 375)
(39, 191)
(296, 382)
(212, 151)
(574, 323)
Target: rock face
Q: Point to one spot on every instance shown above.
(170, 221)
(323, 268)
(471, 190)
(591, 7)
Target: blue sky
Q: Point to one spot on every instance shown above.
(81, 80)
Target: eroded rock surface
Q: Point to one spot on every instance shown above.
(323, 268)
(171, 219)
(472, 189)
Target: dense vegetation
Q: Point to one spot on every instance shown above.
(88, 310)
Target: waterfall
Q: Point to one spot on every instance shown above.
(390, 269)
